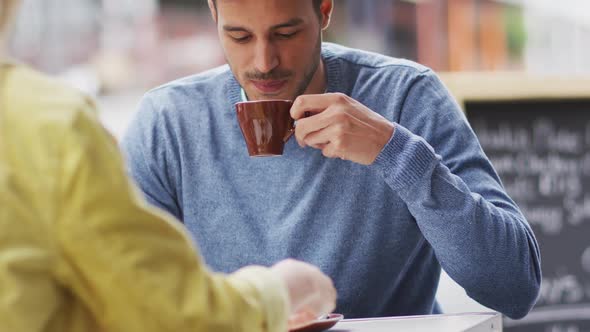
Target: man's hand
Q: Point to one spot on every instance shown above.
(341, 127)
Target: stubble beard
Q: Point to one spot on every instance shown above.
(309, 74)
(307, 77)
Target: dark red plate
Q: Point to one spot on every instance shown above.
(320, 324)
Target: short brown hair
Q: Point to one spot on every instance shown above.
(316, 5)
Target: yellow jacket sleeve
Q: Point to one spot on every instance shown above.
(135, 268)
(29, 295)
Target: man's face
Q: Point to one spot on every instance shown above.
(272, 46)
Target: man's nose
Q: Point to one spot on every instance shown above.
(266, 57)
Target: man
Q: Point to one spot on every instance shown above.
(80, 251)
(388, 182)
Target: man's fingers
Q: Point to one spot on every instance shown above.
(319, 146)
(333, 132)
(318, 122)
(316, 103)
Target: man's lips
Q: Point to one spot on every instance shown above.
(269, 86)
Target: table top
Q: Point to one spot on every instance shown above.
(471, 322)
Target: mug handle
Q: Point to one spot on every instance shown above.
(289, 134)
(292, 130)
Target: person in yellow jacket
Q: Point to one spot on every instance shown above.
(80, 250)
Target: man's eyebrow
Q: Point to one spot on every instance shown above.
(290, 23)
(230, 28)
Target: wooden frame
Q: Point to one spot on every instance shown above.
(506, 86)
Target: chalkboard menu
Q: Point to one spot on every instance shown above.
(541, 150)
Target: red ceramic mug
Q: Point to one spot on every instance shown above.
(266, 126)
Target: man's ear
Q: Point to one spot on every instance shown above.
(213, 10)
(326, 9)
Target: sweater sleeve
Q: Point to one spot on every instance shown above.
(133, 266)
(435, 163)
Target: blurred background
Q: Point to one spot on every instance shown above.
(116, 50)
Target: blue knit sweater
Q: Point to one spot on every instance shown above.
(381, 232)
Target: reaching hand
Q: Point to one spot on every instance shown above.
(311, 292)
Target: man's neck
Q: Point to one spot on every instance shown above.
(318, 83)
